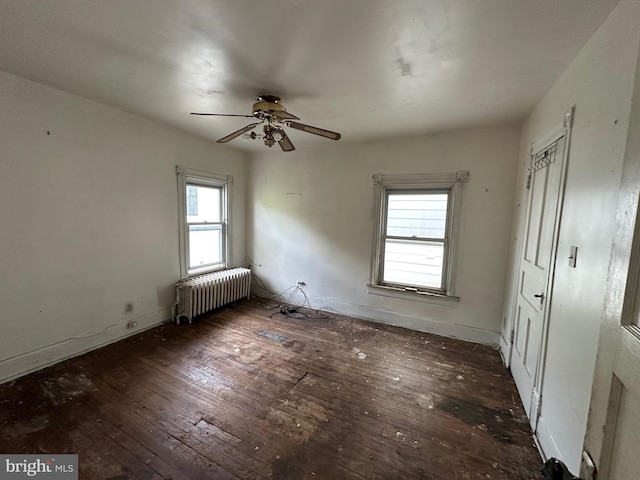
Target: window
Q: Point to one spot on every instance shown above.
(414, 238)
(204, 206)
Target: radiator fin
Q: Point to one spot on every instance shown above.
(204, 293)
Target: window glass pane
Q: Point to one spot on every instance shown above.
(417, 215)
(203, 204)
(205, 245)
(192, 201)
(413, 263)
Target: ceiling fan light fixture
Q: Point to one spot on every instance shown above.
(269, 141)
(250, 136)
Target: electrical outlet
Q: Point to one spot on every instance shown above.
(131, 324)
(301, 284)
(128, 308)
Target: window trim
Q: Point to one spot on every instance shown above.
(189, 176)
(383, 184)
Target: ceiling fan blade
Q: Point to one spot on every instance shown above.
(315, 130)
(221, 114)
(282, 115)
(237, 133)
(285, 143)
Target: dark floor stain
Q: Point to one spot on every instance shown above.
(294, 345)
(495, 422)
(305, 463)
(287, 468)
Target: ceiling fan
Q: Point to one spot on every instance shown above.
(268, 108)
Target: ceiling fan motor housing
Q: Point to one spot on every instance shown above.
(267, 104)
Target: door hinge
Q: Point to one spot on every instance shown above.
(587, 467)
(528, 181)
(512, 335)
(537, 398)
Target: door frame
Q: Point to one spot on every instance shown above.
(563, 129)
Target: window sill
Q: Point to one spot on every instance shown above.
(426, 297)
(203, 271)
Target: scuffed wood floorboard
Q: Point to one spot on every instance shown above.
(338, 398)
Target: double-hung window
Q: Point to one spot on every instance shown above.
(414, 237)
(204, 206)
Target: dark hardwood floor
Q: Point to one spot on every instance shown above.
(228, 397)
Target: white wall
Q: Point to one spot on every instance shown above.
(89, 221)
(310, 220)
(599, 83)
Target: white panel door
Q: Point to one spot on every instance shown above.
(618, 363)
(613, 429)
(622, 460)
(536, 258)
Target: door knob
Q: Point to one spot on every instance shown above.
(540, 296)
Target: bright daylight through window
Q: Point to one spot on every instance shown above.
(204, 218)
(414, 240)
(203, 200)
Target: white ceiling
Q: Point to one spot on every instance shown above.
(365, 68)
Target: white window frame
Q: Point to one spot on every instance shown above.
(189, 176)
(417, 183)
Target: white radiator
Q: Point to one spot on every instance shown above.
(203, 293)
